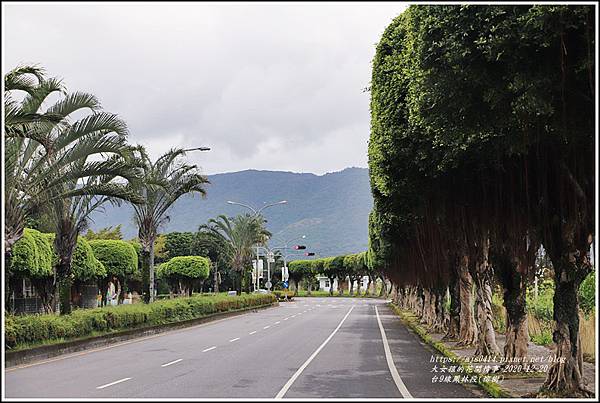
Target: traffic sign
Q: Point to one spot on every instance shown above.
(285, 284)
(268, 285)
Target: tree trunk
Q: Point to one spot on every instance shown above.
(426, 310)
(151, 272)
(486, 343)
(565, 376)
(65, 286)
(468, 326)
(368, 290)
(439, 322)
(145, 267)
(216, 279)
(454, 314)
(517, 332)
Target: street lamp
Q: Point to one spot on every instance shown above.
(197, 149)
(256, 214)
(255, 211)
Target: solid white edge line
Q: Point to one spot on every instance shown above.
(171, 363)
(112, 383)
(291, 381)
(390, 361)
(208, 349)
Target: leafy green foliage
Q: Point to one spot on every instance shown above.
(179, 244)
(35, 329)
(32, 255)
(190, 267)
(105, 233)
(84, 264)
(119, 258)
(587, 293)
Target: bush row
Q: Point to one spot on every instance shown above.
(33, 329)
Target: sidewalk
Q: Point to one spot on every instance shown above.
(519, 385)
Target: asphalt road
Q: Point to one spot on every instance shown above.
(310, 348)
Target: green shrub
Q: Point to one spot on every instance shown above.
(32, 255)
(118, 257)
(183, 273)
(542, 339)
(30, 330)
(587, 293)
(84, 265)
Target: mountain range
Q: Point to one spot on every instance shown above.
(331, 210)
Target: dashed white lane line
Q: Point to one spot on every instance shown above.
(172, 362)
(112, 383)
(252, 332)
(278, 322)
(232, 340)
(208, 349)
(390, 361)
(285, 318)
(266, 327)
(289, 383)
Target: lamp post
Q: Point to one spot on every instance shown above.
(256, 214)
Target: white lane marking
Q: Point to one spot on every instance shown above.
(172, 362)
(390, 361)
(252, 332)
(266, 327)
(291, 381)
(208, 349)
(232, 340)
(112, 383)
(285, 318)
(278, 322)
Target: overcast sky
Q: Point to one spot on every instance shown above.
(266, 86)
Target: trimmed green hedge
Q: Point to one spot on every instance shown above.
(118, 257)
(30, 330)
(32, 255)
(191, 267)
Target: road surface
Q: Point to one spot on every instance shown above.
(309, 348)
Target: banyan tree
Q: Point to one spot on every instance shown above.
(481, 151)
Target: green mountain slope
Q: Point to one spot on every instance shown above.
(331, 210)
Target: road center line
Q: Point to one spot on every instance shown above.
(291, 381)
(278, 322)
(208, 349)
(252, 332)
(232, 340)
(390, 361)
(285, 318)
(171, 363)
(266, 327)
(112, 383)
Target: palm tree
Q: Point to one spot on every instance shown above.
(241, 232)
(163, 183)
(67, 169)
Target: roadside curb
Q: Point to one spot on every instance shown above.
(35, 354)
(493, 389)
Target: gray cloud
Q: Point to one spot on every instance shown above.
(267, 86)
